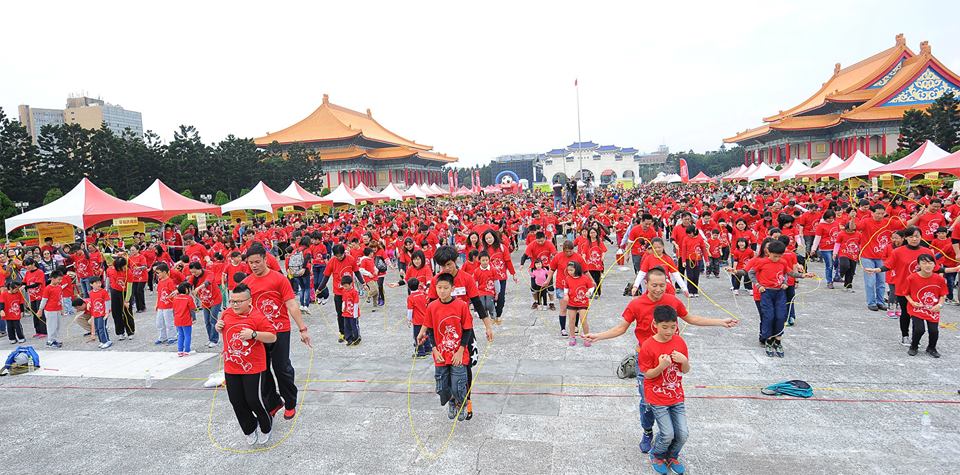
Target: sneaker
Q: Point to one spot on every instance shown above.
(341, 339)
(172, 341)
(107, 344)
(572, 342)
(551, 307)
(121, 337)
(769, 349)
(252, 437)
(49, 343)
(41, 335)
(933, 352)
(676, 466)
(57, 344)
(873, 308)
(469, 410)
(451, 410)
(263, 438)
(791, 320)
(534, 306)
(211, 344)
(322, 301)
(564, 333)
(905, 341)
(290, 413)
(646, 443)
(830, 285)
(21, 340)
(898, 312)
(891, 314)
(778, 349)
(13, 342)
(306, 310)
(881, 306)
(130, 336)
(462, 414)
(181, 354)
(158, 342)
(275, 410)
(587, 343)
(659, 465)
(912, 352)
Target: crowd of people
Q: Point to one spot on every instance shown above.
(248, 280)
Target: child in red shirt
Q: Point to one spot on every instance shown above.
(925, 293)
(487, 284)
(715, 247)
(98, 304)
(11, 310)
(51, 305)
(452, 327)
(183, 308)
(946, 257)
(580, 289)
(351, 311)
(769, 280)
(848, 253)
(417, 315)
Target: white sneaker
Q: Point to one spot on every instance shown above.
(305, 309)
(253, 437)
(905, 341)
(211, 344)
(262, 438)
(122, 337)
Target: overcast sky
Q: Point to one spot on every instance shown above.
(475, 80)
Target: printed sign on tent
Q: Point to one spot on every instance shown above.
(60, 232)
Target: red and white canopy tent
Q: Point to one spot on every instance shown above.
(159, 196)
(743, 175)
(949, 164)
(733, 176)
(856, 166)
(463, 191)
(439, 189)
(701, 178)
(831, 161)
(341, 195)
(926, 153)
(416, 191)
(492, 190)
(369, 195)
(788, 172)
(297, 192)
(760, 172)
(391, 191)
(84, 206)
(261, 198)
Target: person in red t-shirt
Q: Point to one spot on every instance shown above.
(487, 284)
(926, 292)
(848, 253)
(183, 308)
(769, 277)
(232, 267)
(640, 311)
(34, 281)
(416, 316)
(139, 270)
(52, 306)
(11, 310)
(351, 311)
(340, 265)
(824, 241)
(558, 275)
(206, 287)
(98, 305)
(580, 289)
(450, 326)
(245, 330)
(663, 359)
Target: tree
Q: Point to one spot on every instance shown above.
(944, 117)
(65, 154)
(53, 194)
(7, 209)
(108, 190)
(187, 193)
(184, 154)
(914, 129)
(220, 198)
(18, 162)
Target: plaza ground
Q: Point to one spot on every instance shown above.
(541, 406)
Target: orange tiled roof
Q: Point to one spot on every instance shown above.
(806, 122)
(385, 153)
(333, 122)
(389, 153)
(853, 77)
(859, 95)
(748, 134)
(442, 157)
(345, 153)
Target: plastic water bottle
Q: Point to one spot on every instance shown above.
(925, 422)
(147, 379)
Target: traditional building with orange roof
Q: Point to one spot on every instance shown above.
(858, 109)
(354, 148)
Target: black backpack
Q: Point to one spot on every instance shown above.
(380, 264)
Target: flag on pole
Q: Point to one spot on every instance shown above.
(575, 82)
(684, 173)
(450, 180)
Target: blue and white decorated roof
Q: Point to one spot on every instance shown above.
(558, 152)
(628, 150)
(608, 148)
(582, 146)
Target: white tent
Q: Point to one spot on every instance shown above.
(831, 161)
(760, 172)
(261, 198)
(744, 174)
(790, 171)
(394, 193)
(857, 165)
(343, 196)
(369, 195)
(923, 155)
(660, 178)
(440, 189)
(733, 176)
(416, 191)
(297, 192)
(673, 178)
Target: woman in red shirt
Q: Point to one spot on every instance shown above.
(119, 276)
(593, 251)
(206, 287)
(139, 270)
(501, 263)
(579, 290)
(692, 250)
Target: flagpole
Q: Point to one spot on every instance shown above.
(576, 86)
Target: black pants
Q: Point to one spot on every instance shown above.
(14, 330)
(278, 363)
(380, 289)
(39, 326)
(597, 275)
(338, 306)
(904, 316)
(501, 297)
(693, 277)
(848, 267)
(123, 323)
(150, 278)
(735, 281)
(138, 296)
(933, 328)
(244, 393)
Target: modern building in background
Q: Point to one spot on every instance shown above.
(88, 112)
(354, 148)
(604, 164)
(859, 107)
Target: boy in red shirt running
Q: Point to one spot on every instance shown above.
(925, 294)
(663, 359)
(452, 330)
(487, 284)
(98, 305)
(417, 315)
(768, 275)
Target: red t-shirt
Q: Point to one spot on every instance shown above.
(12, 305)
(54, 296)
(424, 275)
(540, 252)
(850, 244)
(448, 321)
(927, 292)
(337, 268)
(464, 287)
(500, 262)
(182, 305)
(594, 252)
(828, 233)
(741, 257)
(903, 261)
(667, 388)
(559, 265)
(486, 281)
(35, 277)
(97, 303)
(270, 294)
(138, 268)
(417, 302)
(577, 288)
(640, 238)
(243, 356)
(769, 274)
(230, 270)
(640, 310)
(876, 237)
(351, 303)
(208, 289)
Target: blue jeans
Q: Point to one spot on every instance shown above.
(789, 294)
(774, 305)
(317, 279)
(210, 316)
(827, 257)
(303, 289)
(85, 286)
(100, 325)
(184, 334)
(646, 412)
(874, 284)
(951, 282)
(351, 329)
(451, 383)
(426, 347)
(672, 432)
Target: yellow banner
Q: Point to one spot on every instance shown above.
(287, 209)
(61, 233)
(805, 179)
(931, 175)
(238, 214)
(125, 221)
(127, 230)
(886, 177)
